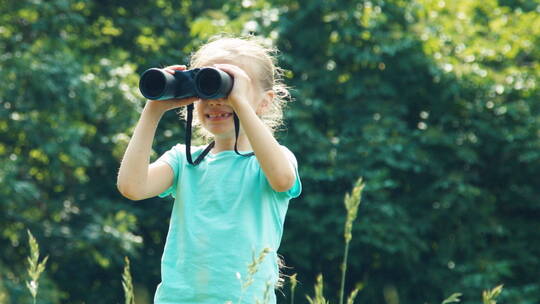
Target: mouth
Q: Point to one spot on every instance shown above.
(218, 116)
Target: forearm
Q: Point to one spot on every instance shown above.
(271, 156)
(133, 173)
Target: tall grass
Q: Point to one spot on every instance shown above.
(293, 286)
(352, 202)
(127, 283)
(35, 268)
(266, 295)
(489, 296)
(319, 294)
(452, 299)
(253, 267)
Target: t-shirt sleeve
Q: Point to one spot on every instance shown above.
(174, 158)
(296, 189)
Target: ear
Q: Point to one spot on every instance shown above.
(266, 101)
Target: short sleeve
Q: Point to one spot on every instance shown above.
(174, 158)
(296, 189)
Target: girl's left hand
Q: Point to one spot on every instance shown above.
(243, 87)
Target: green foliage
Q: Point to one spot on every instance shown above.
(444, 149)
(435, 103)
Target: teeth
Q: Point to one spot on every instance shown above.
(218, 115)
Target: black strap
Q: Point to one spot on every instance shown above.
(211, 145)
(236, 133)
(188, 140)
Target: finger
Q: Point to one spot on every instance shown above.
(173, 68)
(178, 67)
(184, 101)
(224, 67)
(231, 69)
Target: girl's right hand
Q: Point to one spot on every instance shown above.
(169, 104)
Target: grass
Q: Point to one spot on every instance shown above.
(319, 294)
(127, 283)
(352, 202)
(35, 268)
(293, 281)
(489, 296)
(253, 268)
(452, 299)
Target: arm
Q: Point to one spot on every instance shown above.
(137, 179)
(271, 156)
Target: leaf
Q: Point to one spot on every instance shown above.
(452, 299)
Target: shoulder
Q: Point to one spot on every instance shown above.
(180, 149)
(175, 151)
(290, 155)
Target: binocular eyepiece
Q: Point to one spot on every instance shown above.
(205, 83)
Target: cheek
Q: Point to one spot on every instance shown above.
(198, 117)
(257, 100)
(261, 106)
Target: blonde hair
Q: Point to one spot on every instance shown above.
(254, 51)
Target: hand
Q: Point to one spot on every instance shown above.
(169, 104)
(242, 91)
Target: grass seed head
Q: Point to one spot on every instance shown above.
(352, 202)
(35, 268)
(489, 296)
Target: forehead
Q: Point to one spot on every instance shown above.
(249, 65)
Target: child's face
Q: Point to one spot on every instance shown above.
(216, 115)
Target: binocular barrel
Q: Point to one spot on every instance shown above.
(205, 83)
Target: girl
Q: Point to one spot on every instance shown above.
(229, 207)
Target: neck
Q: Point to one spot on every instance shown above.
(227, 144)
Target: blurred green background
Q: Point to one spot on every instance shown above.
(436, 103)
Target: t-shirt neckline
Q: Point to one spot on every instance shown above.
(228, 152)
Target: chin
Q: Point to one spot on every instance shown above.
(220, 131)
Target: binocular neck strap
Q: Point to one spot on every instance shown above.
(211, 145)
(188, 140)
(236, 133)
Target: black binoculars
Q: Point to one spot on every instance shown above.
(205, 83)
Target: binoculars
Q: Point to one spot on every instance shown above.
(205, 83)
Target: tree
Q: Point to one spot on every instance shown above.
(435, 103)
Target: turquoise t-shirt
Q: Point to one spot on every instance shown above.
(224, 213)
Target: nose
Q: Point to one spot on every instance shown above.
(215, 102)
